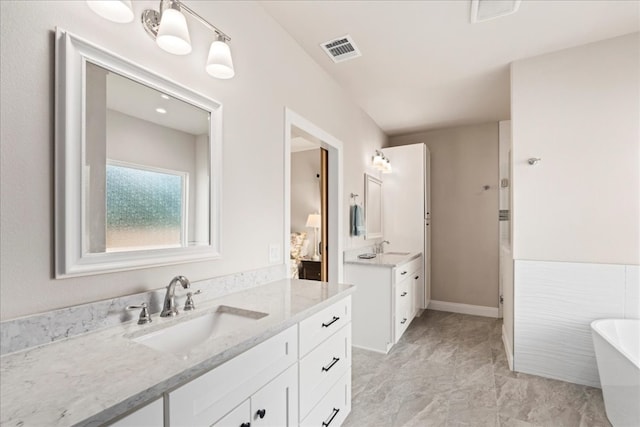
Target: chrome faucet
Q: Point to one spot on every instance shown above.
(169, 306)
(381, 246)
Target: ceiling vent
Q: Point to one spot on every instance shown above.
(484, 10)
(341, 49)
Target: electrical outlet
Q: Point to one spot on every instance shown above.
(274, 253)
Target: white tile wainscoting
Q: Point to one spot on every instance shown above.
(554, 304)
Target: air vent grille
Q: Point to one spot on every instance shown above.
(341, 49)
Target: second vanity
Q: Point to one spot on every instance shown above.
(386, 297)
(287, 364)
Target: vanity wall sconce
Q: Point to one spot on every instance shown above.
(381, 162)
(168, 27)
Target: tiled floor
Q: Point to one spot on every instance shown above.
(451, 370)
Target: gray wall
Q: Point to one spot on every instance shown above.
(465, 235)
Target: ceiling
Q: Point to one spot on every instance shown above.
(424, 65)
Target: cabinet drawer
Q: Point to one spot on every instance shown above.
(334, 406)
(406, 270)
(207, 398)
(403, 318)
(237, 417)
(323, 324)
(320, 369)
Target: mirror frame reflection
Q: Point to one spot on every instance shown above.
(371, 203)
(72, 257)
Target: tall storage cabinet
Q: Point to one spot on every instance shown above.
(407, 208)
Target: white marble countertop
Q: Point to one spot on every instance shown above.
(92, 378)
(389, 259)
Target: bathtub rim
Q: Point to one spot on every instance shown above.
(597, 328)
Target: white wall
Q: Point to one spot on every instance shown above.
(272, 72)
(576, 215)
(578, 110)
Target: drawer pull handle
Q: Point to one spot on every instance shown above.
(333, 415)
(403, 273)
(335, 319)
(403, 294)
(404, 320)
(417, 277)
(330, 365)
(261, 413)
(245, 425)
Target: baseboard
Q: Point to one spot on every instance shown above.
(507, 348)
(454, 307)
(375, 350)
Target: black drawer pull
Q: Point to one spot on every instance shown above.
(404, 320)
(330, 365)
(335, 319)
(333, 415)
(403, 294)
(417, 277)
(261, 413)
(245, 425)
(403, 273)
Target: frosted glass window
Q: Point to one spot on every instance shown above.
(146, 208)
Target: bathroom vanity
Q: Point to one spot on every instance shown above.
(386, 299)
(282, 357)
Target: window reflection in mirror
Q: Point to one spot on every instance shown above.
(146, 174)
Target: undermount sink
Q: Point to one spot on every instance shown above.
(181, 337)
(396, 253)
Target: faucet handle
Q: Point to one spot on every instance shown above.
(145, 317)
(189, 304)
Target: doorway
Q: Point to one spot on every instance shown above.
(299, 132)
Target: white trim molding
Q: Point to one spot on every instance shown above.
(454, 307)
(507, 348)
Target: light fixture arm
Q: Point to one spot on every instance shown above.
(151, 19)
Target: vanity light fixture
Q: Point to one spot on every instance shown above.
(119, 11)
(381, 162)
(168, 28)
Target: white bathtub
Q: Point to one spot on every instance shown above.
(617, 345)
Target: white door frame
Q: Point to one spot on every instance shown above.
(334, 149)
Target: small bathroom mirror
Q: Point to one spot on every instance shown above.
(137, 165)
(373, 207)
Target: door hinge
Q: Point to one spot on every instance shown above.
(501, 299)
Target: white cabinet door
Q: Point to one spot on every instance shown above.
(275, 405)
(239, 417)
(151, 415)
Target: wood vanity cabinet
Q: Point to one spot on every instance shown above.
(385, 301)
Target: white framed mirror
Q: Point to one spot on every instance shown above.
(138, 165)
(373, 207)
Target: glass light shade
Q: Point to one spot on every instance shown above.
(378, 161)
(173, 33)
(119, 11)
(219, 62)
(387, 167)
(313, 221)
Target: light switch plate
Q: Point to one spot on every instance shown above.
(274, 253)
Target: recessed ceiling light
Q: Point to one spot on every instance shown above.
(161, 110)
(164, 96)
